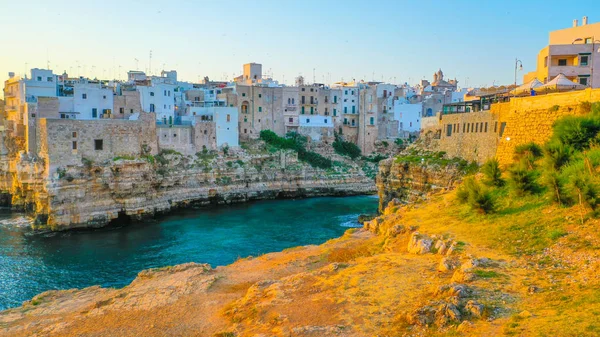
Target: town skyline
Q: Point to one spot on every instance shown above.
(203, 45)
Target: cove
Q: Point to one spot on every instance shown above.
(31, 263)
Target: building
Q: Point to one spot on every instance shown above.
(571, 52)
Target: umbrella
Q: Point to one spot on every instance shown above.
(526, 87)
(559, 83)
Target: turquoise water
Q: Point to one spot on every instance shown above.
(31, 263)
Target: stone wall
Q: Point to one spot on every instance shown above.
(176, 137)
(530, 119)
(126, 105)
(65, 142)
(520, 121)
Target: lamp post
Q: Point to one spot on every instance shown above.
(520, 64)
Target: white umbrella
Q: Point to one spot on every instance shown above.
(526, 87)
(559, 83)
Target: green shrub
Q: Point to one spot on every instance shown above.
(296, 142)
(399, 142)
(88, 163)
(384, 143)
(170, 151)
(557, 154)
(124, 157)
(522, 180)
(149, 158)
(345, 148)
(557, 187)
(577, 131)
(528, 154)
(477, 196)
(493, 173)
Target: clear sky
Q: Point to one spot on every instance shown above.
(398, 40)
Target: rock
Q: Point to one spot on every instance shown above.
(474, 308)
(465, 326)
(373, 225)
(463, 275)
(525, 314)
(532, 290)
(446, 313)
(419, 244)
(396, 230)
(446, 264)
(362, 218)
(454, 290)
(451, 249)
(440, 246)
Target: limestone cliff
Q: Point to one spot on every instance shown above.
(410, 181)
(93, 194)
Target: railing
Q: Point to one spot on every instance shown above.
(31, 99)
(9, 94)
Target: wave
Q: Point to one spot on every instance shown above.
(349, 220)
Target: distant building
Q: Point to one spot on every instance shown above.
(571, 52)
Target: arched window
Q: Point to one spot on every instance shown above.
(429, 112)
(245, 107)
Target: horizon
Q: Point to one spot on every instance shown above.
(195, 45)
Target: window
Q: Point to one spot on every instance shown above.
(468, 127)
(83, 96)
(307, 120)
(50, 79)
(121, 110)
(334, 99)
(228, 117)
(32, 115)
(302, 89)
(291, 120)
(293, 101)
(325, 121)
(245, 130)
(104, 97)
(562, 62)
(311, 89)
(205, 132)
(74, 147)
(303, 100)
(588, 40)
(502, 127)
(289, 101)
(372, 120)
(94, 113)
(345, 109)
(98, 144)
(326, 112)
(345, 92)
(353, 109)
(335, 112)
(495, 127)
(302, 111)
(259, 95)
(260, 109)
(169, 93)
(152, 108)
(165, 106)
(583, 80)
(546, 62)
(312, 110)
(353, 123)
(352, 92)
(312, 100)
(39, 78)
(130, 111)
(486, 126)
(448, 130)
(151, 93)
(326, 99)
(243, 94)
(74, 134)
(583, 60)
(245, 119)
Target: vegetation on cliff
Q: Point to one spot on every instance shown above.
(296, 142)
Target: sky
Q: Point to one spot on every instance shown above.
(327, 41)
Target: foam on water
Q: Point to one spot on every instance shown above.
(17, 222)
(349, 220)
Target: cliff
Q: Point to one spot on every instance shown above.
(94, 194)
(412, 176)
(431, 268)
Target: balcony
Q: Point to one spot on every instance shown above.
(291, 107)
(9, 94)
(294, 122)
(569, 71)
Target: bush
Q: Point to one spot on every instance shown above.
(576, 131)
(477, 196)
(296, 142)
(528, 154)
(557, 154)
(556, 185)
(522, 180)
(345, 148)
(399, 142)
(492, 173)
(384, 143)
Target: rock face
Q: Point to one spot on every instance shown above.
(93, 195)
(411, 181)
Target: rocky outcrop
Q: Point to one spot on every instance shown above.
(93, 195)
(410, 182)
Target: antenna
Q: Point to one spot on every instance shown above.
(314, 76)
(150, 64)
(47, 60)
(137, 64)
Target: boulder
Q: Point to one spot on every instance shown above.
(474, 309)
(396, 230)
(447, 264)
(419, 243)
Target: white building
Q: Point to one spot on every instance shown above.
(91, 101)
(349, 97)
(226, 122)
(158, 97)
(408, 116)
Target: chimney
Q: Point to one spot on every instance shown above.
(575, 23)
(11, 74)
(584, 21)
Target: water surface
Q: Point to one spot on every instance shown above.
(31, 263)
